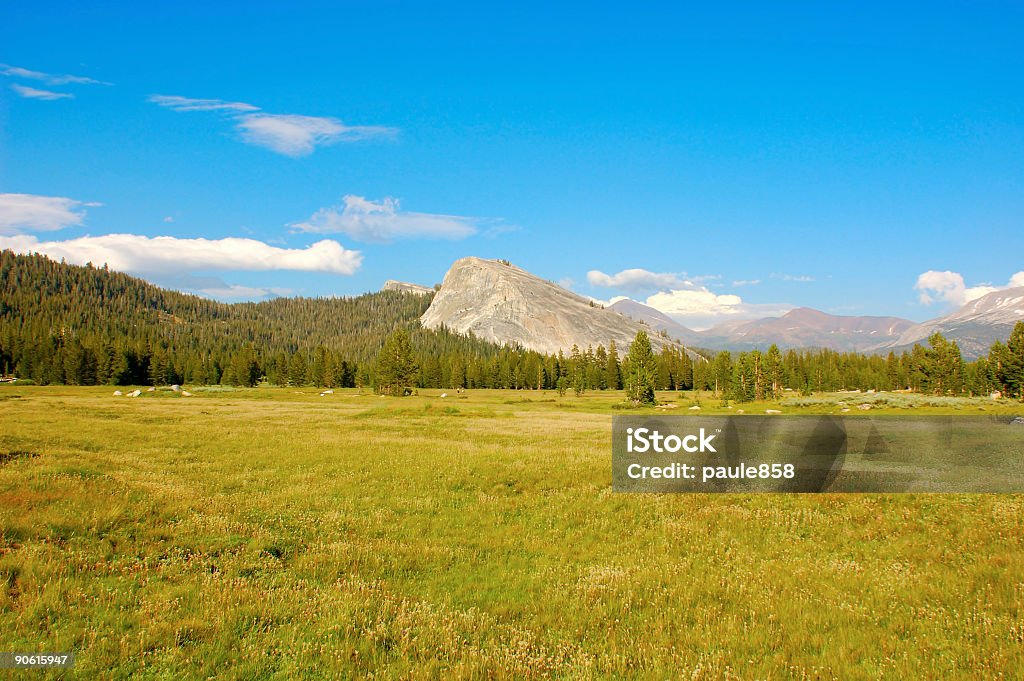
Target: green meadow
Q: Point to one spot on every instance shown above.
(277, 533)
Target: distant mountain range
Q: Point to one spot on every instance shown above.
(500, 302)
(975, 326)
(805, 327)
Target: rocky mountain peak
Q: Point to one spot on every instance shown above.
(497, 301)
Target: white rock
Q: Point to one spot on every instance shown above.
(695, 408)
(500, 302)
(118, 393)
(405, 287)
(185, 393)
(845, 409)
(328, 392)
(444, 394)
(135, 393)
(864, 407)
(150, 390)
(772, 411)
(176, 388)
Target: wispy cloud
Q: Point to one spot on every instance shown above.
(48, 78)
(34, 93)
(33, 213)
(802, 278)
(294, 135)
(383, 221)
(170, 255)
(289, 134)
(746, 282)
(187, 104)
(949, 287)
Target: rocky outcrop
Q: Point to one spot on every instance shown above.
(405, 287)
(499, 302)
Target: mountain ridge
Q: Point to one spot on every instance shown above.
(975, 326)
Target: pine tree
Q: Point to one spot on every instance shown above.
(773, 369)
(297, 370)
(641, 371)
(722, 373)
(613, 369)
(1007, 363)
(396, 368)
(601, 368)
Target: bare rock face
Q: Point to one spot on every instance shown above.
(502, 303)
(405, 287)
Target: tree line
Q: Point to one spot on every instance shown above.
(937, 368)
(90, 326)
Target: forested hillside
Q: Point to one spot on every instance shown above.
(84, 326)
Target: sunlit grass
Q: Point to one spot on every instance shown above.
(277, 533)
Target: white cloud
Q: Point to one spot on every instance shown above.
(607, 303)
(637, 279)
(188, 104)
(169, 218)
(700, 309)
(803, 278)
(32, 213)
(695, 302)
(289, 134)
(48, 78)
(949, 287)
(166, 254)
(33, 93)
(294, 135)
(684, 298)
(382, 221)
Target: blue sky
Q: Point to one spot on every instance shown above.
(721, 162)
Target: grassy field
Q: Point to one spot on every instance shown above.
(275, 533)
